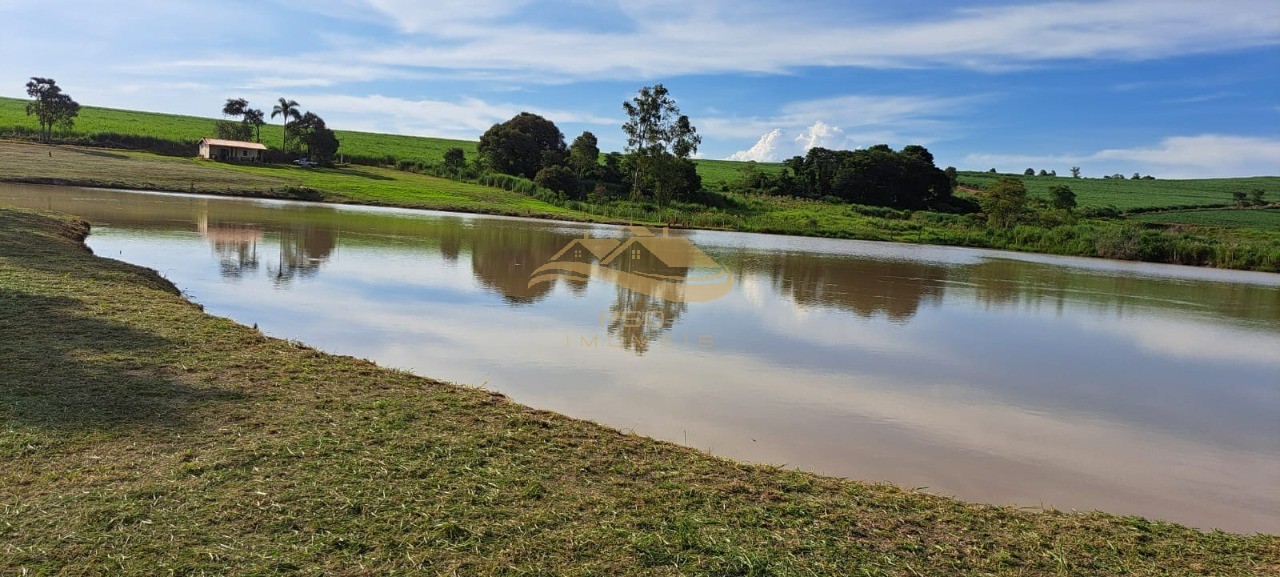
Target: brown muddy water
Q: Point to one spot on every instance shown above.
(991, 376)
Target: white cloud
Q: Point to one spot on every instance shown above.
(465, 118)
(744, 36)
(820, 134)
(1200, 156)
(844, 122)
(764, 150)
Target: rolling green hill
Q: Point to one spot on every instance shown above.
(190, 129)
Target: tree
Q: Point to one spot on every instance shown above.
(560, 179)
(319, 142)
(952, 175)
(523, 145)
(1044, 172)
(992, 171)
(235, 107)
(1135, 176)
(455, 160)
(255, 118)
(919, 153)
(584, 156)
(659, 142)
(1075, 172)
(288, 110)
(51, 106)
(1256, 196)
(1239, 197)
(1004, 201)
(1029, 172)
(1062, 197)
(228, 130)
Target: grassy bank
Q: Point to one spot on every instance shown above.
(81, 166)
(141, 436)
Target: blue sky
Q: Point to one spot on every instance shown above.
(1171, 88)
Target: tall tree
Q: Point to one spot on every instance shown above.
(51, 106)
(659, 141)
(255, 118)
(288, 109)
(584, 156)
(1075, 172)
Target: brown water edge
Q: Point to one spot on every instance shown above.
(996, 377)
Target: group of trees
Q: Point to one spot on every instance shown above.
(249, 126)
(305, 132)
(1006, 201)
(656, 165)
(879, 176)
(52, 107)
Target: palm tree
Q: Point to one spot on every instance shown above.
(289, 110)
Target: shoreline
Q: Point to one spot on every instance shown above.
(134, 419)
(415, 191)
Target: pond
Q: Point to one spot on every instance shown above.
(991, 376)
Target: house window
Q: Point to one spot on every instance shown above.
(635, 254)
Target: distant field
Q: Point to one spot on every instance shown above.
(1268, 219)
(25, 162)
(192, 128)
(1132, 194)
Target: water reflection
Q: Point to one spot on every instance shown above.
(1023, 379)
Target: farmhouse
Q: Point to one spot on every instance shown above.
(231, 150)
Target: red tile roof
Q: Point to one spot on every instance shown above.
(233, 143)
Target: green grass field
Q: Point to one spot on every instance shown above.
(93, 119)
(26, 162)
(1137, 194)
(1266, 219)
(141, 436)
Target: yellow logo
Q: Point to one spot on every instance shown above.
(665, 267)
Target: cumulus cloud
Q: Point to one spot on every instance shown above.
(844, 122)
(764, 150)
(1198, 156)
(820, 134)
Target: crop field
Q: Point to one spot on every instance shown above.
(1137, 194)
(93, 120)
(1268, 219)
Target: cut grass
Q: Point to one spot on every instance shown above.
(142, 436)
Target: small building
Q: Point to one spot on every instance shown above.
(231, 150)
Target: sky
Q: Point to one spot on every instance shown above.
(1171, 88)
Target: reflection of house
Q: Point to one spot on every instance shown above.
(231, 150)
(668, 252)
